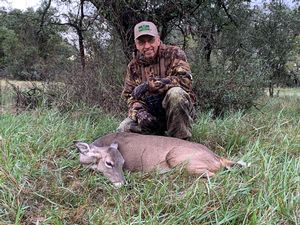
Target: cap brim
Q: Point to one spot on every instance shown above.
(146, 33)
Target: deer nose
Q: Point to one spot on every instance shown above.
(118, 184)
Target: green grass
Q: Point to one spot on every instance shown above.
(42, 182)
(288, 92)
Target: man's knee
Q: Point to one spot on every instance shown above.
(176, 96)
(126, 125)
(175, 92)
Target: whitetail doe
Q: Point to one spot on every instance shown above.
(135, 152)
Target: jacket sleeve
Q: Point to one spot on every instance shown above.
(178, 74)
(131, 81)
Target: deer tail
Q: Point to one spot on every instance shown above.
(228, 164)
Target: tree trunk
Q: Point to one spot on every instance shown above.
(80, 36)
(271, 90)
(81, 49)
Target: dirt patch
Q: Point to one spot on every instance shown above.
(21, 84)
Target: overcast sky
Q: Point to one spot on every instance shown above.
(20, 4)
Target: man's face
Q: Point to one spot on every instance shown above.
(147, 45)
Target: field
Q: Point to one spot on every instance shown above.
(41, 181)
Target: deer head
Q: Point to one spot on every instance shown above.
(107, 160)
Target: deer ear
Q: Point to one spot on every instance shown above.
(82, 146)
(114, 145)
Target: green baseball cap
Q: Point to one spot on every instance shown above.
(145, 28)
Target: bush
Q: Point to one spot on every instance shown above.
(93, 87)
(220, 91)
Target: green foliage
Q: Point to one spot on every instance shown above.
(30, 51)
(8, 45)
(274, 33)
(235, 48)
(221, 92)
(41, 180)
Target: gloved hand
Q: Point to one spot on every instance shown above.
(154, 105)
(156, 83)
(140, 90)
(145, 119)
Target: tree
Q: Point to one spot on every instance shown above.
(38, 49)
(274, 37)
(79, 16)
(8, 46)
(123, 15)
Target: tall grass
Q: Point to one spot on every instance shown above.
(41, 181)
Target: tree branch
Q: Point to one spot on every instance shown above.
(44, 16)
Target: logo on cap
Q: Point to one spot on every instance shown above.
(144, 27)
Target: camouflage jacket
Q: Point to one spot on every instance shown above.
(170, 65)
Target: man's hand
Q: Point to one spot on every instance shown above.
(157, 83)
(140, 90)
(145, 119)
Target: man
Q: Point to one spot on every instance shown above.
(158, 87)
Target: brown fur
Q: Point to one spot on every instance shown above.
(147, 152)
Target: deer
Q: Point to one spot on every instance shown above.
(135, 152)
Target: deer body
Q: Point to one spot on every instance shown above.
(136, 152)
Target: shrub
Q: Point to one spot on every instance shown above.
(220, 91)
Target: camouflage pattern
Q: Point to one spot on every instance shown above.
(169, 69)
(159, 94)
(177, 121)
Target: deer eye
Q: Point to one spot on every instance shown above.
(109, 164)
